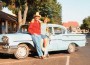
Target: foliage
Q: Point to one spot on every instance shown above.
(47, 8)
(0, 5)
(86, 23)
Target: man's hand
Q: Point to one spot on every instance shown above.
(35, 34)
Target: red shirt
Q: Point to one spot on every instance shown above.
(34, 27)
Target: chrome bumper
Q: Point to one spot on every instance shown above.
(7, 49)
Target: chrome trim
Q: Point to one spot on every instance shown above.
(8, 49)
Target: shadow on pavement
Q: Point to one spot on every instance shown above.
(6, 56)
(50, 53)
(33, 55)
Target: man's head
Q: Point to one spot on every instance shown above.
(37, 16)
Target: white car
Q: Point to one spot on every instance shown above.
(20, 44)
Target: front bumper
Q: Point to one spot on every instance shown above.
(4, 48)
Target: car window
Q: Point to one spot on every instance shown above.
(58, 30)
(50, 30)
(24, 29)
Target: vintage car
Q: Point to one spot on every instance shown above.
(20, 44)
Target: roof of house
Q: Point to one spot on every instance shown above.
(71, 23)
(7, 17)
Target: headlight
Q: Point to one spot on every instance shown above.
(5, 39)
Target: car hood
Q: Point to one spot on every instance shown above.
(17, 37)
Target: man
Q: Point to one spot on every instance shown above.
(35, 30)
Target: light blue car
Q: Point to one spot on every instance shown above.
(20, 44)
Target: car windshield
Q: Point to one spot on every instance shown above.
(23, 29)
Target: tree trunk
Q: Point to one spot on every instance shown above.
(25, 14)
(19, 19)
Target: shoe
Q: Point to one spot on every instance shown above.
(47, 55)
(41, 57)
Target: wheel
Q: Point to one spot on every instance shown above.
(22, 51)
(71, 48)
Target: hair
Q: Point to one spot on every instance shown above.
(47, 19)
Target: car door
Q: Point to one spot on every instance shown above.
(56, 39)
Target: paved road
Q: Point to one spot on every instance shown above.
(81, 57)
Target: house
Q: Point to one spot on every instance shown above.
(8, 23)
(73, 26)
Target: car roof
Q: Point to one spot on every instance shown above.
(51, 25)
(56, 25)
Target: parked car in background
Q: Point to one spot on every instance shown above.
(20, 44)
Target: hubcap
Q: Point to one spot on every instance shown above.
(71, 48)
(21, 51)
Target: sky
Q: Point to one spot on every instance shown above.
(75, 10)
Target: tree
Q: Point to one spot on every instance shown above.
(47, 8)
(0, 5)
(17, 6)
(86, 23)
(56, 11)
(27, 8)
(52, 9)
